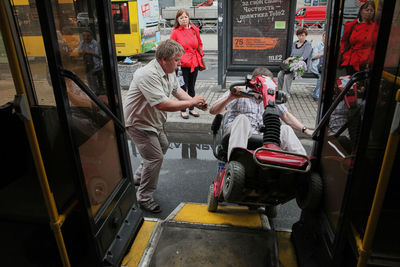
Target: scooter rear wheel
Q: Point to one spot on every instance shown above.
(234, 180)
(212, 202)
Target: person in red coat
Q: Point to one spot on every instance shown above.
(357, 46)
(188, 35)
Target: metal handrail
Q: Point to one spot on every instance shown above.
(70, 75)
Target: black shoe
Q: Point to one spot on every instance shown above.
(184, 115)
(194, 113)
(151, 206)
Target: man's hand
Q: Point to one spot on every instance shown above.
(235, 93)
(220, 105)
(199, 102)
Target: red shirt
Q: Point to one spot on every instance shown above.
(361, 43)
(189, 38)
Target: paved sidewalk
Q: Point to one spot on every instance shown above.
(301, 104)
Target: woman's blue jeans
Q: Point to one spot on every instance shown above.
(317, 88)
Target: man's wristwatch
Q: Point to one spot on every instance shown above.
(304, 129)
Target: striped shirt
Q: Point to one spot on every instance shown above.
(251, 109)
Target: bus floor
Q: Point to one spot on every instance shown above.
(192, 236)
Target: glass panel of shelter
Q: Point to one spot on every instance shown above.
(358, 39)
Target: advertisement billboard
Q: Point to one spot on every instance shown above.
(259, 31)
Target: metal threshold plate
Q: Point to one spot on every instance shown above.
(184, 244)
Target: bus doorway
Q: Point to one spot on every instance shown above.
(74, 106)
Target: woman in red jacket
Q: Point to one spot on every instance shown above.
(188, 36)
(357, 46)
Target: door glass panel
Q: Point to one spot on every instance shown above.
(358, 41)
(95, 136)
(7, 89)
(28, 21)
(93, 130)
(78, 40)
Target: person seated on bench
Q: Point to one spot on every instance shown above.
(245, 119)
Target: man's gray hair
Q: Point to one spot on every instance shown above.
(261, 71)
(169, 49)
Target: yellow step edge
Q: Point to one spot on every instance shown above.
(139, 244)
(225, 215)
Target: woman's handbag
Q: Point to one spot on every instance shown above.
(202, 65)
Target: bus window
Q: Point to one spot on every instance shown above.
(32, 42)
(7, 89)
(28, 20)
(120, 15)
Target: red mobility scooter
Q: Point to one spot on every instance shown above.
(262, 175)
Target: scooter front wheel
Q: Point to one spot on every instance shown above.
(308, 196)
(234, 179)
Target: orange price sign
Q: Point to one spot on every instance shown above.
(254, 43)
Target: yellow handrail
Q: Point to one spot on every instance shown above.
(391, 78)
(55, 222)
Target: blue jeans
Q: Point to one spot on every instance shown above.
(317, 88)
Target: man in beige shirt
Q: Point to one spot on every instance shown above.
(145, 111)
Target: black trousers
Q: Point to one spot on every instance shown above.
(190, 82)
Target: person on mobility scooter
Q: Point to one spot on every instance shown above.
(263, 174)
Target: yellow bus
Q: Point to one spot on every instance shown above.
(136, 26)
